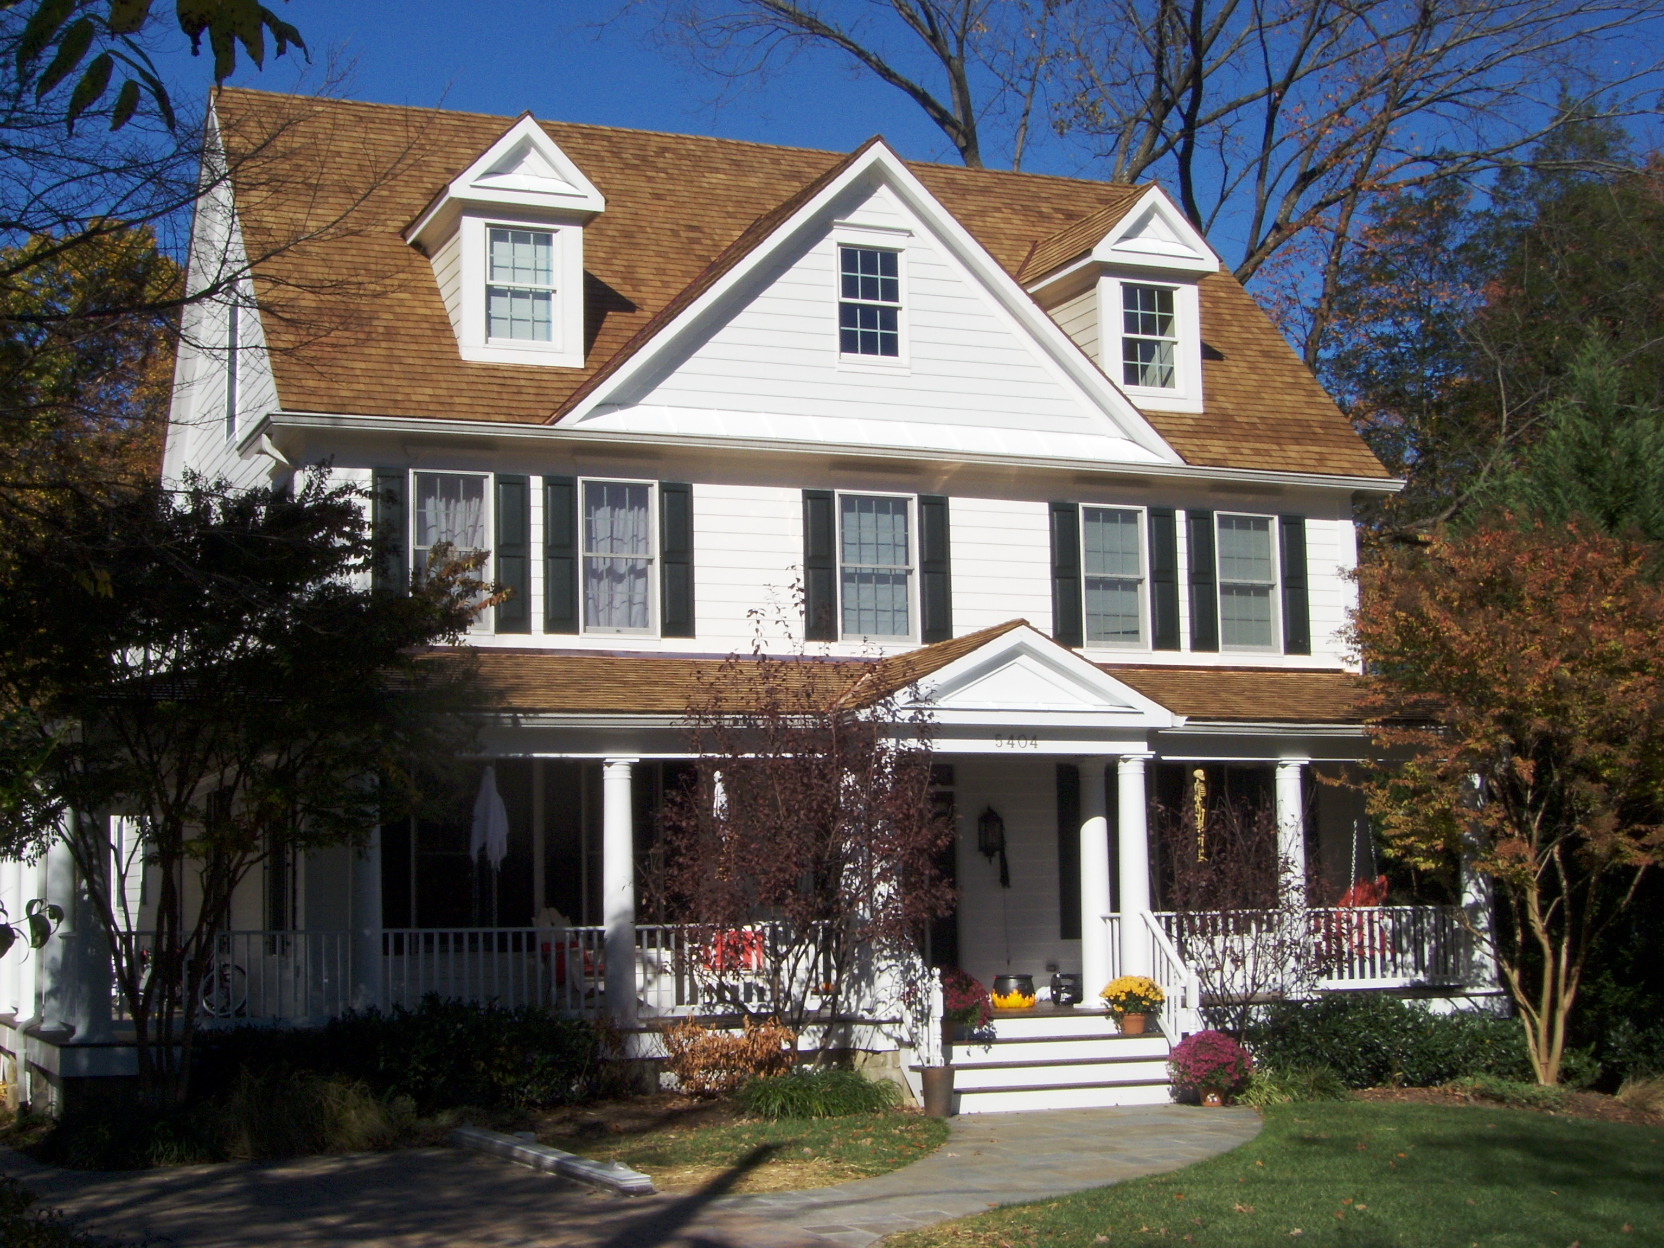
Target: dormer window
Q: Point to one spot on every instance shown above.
(1149, 337)
(520, 297)
(869, 302)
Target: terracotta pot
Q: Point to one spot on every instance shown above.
(938, 1091)
(1133, 1024)
(1213, 1099)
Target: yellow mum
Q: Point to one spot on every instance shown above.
(1133, 994)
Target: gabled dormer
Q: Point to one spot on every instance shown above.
(506, 241)
(1128, 296)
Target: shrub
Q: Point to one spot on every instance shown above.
(1646, 1095)
(1518, 1093)
(1210, 1061)
(24, 1226)
(1288, 1087)
(817, 1094)
(1370, 1040)
(298, 1115)
(707, 1062)
(964, 1000)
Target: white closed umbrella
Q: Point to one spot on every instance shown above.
(490, 830)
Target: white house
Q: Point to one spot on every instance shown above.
(1024, 429)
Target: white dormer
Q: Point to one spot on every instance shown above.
(506, 240)
(1132, 304)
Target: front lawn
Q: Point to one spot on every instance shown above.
(1369, 1176)
(683, 1150)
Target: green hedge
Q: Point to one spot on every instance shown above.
(1370, 1039)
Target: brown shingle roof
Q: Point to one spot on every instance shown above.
(1250, 694)
(325, 189)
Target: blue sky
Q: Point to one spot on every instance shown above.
(558, 59)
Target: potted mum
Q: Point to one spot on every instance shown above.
(965, 1004)
(1211, 1065)
(1132, 999)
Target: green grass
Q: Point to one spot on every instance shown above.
(1369, 1176)
(817, 1094)
(770, 1155)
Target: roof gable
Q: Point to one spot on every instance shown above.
(983, 369)
(1154, 234)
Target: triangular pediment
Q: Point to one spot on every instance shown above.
(525, 172)
(981, 368)
(1156, 235)
(1023, 673)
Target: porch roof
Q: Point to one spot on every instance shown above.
(567, 682)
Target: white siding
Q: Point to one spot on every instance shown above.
(447, 272)
(1001, 563)
(1331, 557)
(748, 554)
(1079, 319)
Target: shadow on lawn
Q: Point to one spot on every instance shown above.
(660, 1226)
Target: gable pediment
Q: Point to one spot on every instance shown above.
(1154, 234)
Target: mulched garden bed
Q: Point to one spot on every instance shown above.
(1594, 1105)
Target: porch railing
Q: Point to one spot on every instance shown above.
(294, 977)
(1181, 1012)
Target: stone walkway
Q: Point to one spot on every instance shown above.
(442, 1198)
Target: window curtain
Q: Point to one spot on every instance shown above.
(618, 555)
(449, 508)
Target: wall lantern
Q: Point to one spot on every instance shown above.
(990, 841)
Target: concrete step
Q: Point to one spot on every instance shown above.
(1056, 1073)
(1061, 1096)
(1105, 1048)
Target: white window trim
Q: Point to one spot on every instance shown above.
(1186, 393)
(1275, 646)
(653, 570)
(873, 240)
(912, 501)
(485, 622)
(566, 314)
(1144, 622)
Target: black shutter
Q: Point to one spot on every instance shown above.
(675, 559)
(1297, 616)
(820, 567)
(1164, 579)
(1204, 587)
(1068, 851)
(935, 573)
(560, 555)
(1067, 627)
(514, 553)
(387, 516)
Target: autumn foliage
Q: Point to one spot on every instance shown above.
(1517, 674)
(710, 1062)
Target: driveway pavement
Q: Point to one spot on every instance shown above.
(442, 1198)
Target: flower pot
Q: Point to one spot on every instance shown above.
(1013, 992)
(938, 1091)
(1133, 1024)
(1213, 1100)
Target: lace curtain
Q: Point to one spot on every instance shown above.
(618, 549)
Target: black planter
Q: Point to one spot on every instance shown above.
(1066, 990)
(1005, 985)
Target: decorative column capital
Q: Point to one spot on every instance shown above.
(1132, 764)
(619, 764)
(1292, 764)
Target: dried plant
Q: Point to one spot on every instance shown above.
(711, 1062)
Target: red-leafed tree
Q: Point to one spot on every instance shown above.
(803, 847)
(1517, 675)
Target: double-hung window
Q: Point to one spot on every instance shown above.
(618, 545)
(1149, 337)
(520, 285)
(450, 511)
(869, 302)
(1112, 567)
(875, 558)
(1247, 582)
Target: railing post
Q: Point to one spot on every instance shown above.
(618, 889)
(367, 974)
(1094, 877)
(1133, 833)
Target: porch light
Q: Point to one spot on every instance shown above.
(990, 833)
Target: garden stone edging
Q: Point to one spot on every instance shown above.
(612, 1175)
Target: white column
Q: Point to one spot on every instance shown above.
(1480, 969)
(11, 894)
(1291, 829)
(618, 889)
(1094, 877)
(57, 965)
(366, 952)
(1133, 836)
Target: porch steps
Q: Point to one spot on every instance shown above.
(1058, 1059)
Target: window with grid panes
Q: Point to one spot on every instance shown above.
(1112, 554)
(520, 289)
(1247, 582)
(618, 555)
(1149, 337)
(869, 302)
(875, 566)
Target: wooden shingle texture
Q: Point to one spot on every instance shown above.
(1247, 694)
(326, 188)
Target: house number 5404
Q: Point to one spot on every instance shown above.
(1016, 741)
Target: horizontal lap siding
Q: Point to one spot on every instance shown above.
(1001, 563)
(1079, 319)
(1331, 554)
(747, 550)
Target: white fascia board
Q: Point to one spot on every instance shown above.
(1191, 254)
(1058, 347)
(511, 432)
(544, 180)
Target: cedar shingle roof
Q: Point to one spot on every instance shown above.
(575, 683)
(325, 189)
